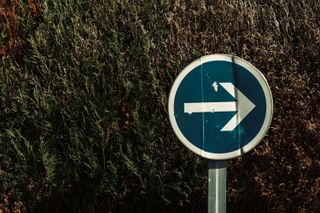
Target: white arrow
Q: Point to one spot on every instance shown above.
(243, 106)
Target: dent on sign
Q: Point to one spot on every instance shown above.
(220, 106)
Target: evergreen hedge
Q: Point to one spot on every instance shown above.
(83, 104)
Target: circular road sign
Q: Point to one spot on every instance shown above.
(220, 106)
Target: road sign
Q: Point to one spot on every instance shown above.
(220, 106)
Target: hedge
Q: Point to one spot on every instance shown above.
(83, 104)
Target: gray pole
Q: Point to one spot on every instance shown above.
(217, 174)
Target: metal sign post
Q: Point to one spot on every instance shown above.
(217, 184)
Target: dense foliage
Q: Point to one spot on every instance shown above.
(83, 104)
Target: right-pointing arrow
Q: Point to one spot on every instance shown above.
(243, 106)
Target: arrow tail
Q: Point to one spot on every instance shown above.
(210, 107)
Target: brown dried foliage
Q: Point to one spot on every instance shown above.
(9, 20)
(5, 207)
(34, 8)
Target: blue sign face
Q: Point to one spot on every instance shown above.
(220, 106)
